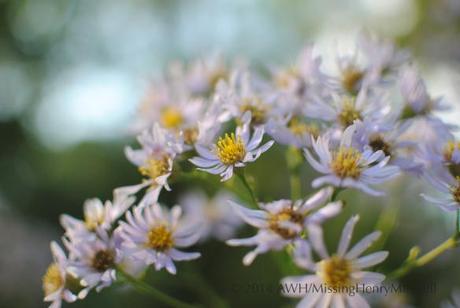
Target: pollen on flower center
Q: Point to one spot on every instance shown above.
(287, 214)
(171, 117)
(349, 113)
(456, 191)
(299, 128)
(351, 78)
(230, 149)
(103, 260)
(155, 167)
(160, 238)
(52, 280)
(335, 272)
(345, 163)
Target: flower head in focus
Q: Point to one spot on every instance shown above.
(335, 272)
(152, 233)
(282, 222)
(233, 150)
(58, 283)
(348, 166)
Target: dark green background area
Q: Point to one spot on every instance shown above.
(38, 182)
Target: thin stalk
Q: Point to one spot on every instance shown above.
(241, 175)
(426, 258)
(147, 289)
(294, 162)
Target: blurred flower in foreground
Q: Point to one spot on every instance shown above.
(282, 222)
(96, 216)
(347, 166)
(449, 186)
(337, 273)
(151, 234)
(214, 215)
(57, 281)
(453, 302)
(232, 151)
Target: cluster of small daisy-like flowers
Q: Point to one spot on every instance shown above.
(358, 128)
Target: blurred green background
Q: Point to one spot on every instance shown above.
(72, 73)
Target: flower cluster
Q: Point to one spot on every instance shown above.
(211, 118)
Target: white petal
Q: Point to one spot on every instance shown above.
(371, 260)
(347, 233)
(362, 245)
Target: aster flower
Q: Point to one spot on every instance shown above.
(57, 281)
(152, 233)
(347, 166)
(335, 273)
(233, 150)
(204, 74)
(304, 74)
(282, 222)
(343, 110)
(448, 186)
(293, 130)
(154, 160)
(97, 215)
(216, 218)
(244, 93)
(94, 262)
(417, 100)
(389, 138)
(444, 152)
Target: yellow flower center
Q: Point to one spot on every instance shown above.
(103, 260)
(299, 128)
(456, 191)
(52, 280)
(378, 143)
(257, 109)
(171, 117)
(345, 163)
(335, 272)
(351, 79)
(155, 167)
(160, 238)
(287, 214)
(230, 149)
(349, 113)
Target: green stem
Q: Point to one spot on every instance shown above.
(294, 162)
(386, 223)
(145, 288)
(426, 258)
(457, 223)
(336, 193)
(241, 175)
